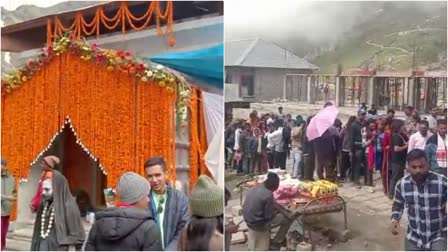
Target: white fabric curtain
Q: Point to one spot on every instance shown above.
(214, 126)
(214, 157)
(213, 113)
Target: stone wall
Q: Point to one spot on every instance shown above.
(295, 109)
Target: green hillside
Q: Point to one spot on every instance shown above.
(406, 34)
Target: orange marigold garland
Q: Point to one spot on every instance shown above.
(198, 138)
(96, 89)
(123, 16)
(202, 135)
(194, 140)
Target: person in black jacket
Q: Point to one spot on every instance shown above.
(326, 148)
(247, 145)
(229, 137)
(308, 154)
(358, 151)
(129, 227)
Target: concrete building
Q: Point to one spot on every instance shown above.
(259, 68)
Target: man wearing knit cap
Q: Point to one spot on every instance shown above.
(8, 199)
(168, 205)
(47, 165)
(261, 214)
(129, 227)
(207, 206)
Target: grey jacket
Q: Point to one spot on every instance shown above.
(258, 208)
(8, 190)
(176, 216)
(124, 229)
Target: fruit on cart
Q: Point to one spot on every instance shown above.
(251, 183)
(320, 188)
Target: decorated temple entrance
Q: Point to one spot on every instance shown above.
(82, 170)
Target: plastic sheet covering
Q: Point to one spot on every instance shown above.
(214, 158)
(206, 65)
(214, 114)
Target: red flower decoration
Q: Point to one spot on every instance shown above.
(30, 62)
(94, 45)
(72, 37)
(128, 53)
(140, 67)
(119, 52)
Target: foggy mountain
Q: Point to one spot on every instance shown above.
(28, 12)
(385, 35)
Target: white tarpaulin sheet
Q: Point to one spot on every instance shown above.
(213, 113)
(214, 126)
(214, 158)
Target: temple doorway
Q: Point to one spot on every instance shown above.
(85, 178)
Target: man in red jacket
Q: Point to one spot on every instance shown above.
(47, 166)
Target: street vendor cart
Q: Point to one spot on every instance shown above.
(318, 206)
(305, 202)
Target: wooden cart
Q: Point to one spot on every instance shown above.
(318, 206)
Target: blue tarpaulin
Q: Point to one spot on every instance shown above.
(204, 65)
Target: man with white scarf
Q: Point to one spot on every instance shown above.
(436, 149)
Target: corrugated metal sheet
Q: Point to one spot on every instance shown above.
(263, 54)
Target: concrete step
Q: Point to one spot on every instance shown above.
(16, 245)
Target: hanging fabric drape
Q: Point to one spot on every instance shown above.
(205, 66)
(214, 113)
(214, 158)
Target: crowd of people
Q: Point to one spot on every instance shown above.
(368, 143)
(151, 214)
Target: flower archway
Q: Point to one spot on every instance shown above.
(124, 111)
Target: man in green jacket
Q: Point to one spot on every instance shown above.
(8, 198)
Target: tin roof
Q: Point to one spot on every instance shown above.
(260, 53)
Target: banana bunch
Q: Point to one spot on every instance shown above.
(321, 188)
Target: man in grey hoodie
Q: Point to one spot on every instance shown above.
(129, 227)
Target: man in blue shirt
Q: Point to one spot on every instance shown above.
(424, 193)
(168, 205)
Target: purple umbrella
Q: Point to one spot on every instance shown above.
(323, 120)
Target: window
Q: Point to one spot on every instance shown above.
(228, 78)
(247, 85)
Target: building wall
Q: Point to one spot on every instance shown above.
(268, 82)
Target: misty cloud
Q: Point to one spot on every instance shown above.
(317, 21)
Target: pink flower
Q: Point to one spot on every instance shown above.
(30, 62)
